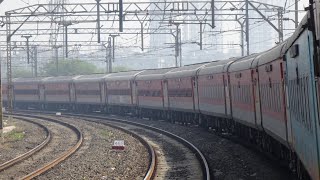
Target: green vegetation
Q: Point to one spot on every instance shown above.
(105, 133)
(65, 68)
(15, 135)
(21, 72)
(120, 68)
(69, 67)
(114, 69)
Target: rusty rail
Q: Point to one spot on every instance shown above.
(62, 157)
(21, 157)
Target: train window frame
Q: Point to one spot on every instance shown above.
(294, 51)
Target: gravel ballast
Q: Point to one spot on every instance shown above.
(227, 160)
(24, 137)
(97, 160)
(62, 139)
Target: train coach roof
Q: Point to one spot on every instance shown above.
(27, 80)
(91, 78)
(129, 75)
(298, 31)
(153, 74)
(270, 55)
(243, 63)
(59, 79)
(184, 71)
(216, 67)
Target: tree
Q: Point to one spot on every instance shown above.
(21, 72)
(114, 69)
(69, 67)
(120, 68)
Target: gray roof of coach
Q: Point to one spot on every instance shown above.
(128, 75)
(190, 67)
(91, 78)
(270, 55)
(184, 71)
(153, 74)
(155, 71)
(215, 67)
(298, 31)
(59, 79)
(27, 80)
(242, 63)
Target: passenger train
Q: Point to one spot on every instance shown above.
(270, 99)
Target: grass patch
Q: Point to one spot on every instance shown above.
(15, 136)
(106, 133)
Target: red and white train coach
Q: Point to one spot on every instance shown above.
(183, 92)
(121, 92)
(59, 92)
(90, 92)
(151, 96)
(270, 104)
(214, 96)
(243, 95)
(26, 92)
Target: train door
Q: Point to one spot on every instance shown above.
(101, 90)
(302, 103)
(195, 93)
(226, 82)
(72, 96)
(256, 97)
(162, 92)
(134, 92)
(106, 92)
(41, 93)
(165, 94)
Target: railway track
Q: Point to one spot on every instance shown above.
(23, 161)
(22, 157)
(175, 156)
(152, 160)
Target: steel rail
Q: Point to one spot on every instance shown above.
(62, 157)
(194, 149)
(153, 157)
(26, 155)
(152, 164)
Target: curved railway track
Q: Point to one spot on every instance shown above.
(26, 155)
(59, 159)
(120, 125)
(152, 165)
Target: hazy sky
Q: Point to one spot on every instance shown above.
(14, 4)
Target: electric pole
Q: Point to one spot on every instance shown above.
(113, 36)
(108, 56)
(110, 59)
(34, 62)
(65, 24)
(28, 48)
(1, 116)
(296, 13)
(56, 49)
(177, 44)
(247, 27)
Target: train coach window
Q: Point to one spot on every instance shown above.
(189, 93)
(270, 84)
(26, 91)
(294, 51)
(268, 68)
